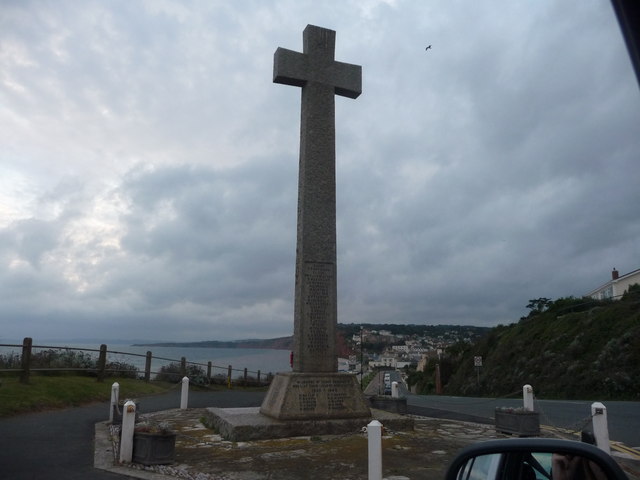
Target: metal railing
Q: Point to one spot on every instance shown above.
(101, 369)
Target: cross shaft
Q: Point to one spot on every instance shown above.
(321, 78)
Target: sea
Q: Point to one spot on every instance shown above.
(253, 359)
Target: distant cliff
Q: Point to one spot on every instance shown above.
(281, 343)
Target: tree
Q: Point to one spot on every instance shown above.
(538, 305)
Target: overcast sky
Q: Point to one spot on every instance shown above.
(148, 164)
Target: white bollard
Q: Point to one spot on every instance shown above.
(600, 428)
(527, 396)
(184, 398)
(115, 392)
(395, 391)
(126, 436)
(374, 434)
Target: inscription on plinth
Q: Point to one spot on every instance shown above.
(298, 396)
(311, 390)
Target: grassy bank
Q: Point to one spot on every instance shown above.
(47, 392)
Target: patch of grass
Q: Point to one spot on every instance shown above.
(44, 393)
(206, 421)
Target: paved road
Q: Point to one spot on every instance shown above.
(58, 445)
(623, 417)
(376, 385)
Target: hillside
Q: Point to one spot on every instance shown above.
(577, 348)
(344, 333)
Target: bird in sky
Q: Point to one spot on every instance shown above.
(428, 47)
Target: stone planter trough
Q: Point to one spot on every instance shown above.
(523, 423)
(154, 448)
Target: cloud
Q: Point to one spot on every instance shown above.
(149, 164)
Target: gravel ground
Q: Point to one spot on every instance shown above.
(201, 454)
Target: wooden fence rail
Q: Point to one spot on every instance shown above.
(101, 370)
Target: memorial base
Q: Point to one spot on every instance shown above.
(309, 396)
(248, 424)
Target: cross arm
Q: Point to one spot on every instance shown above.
(289, 67)
(347, 79)
(295, 68)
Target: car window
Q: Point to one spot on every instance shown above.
(483, 467)
(544, 461)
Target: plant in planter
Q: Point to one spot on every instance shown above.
(153, 444)
(517, 421)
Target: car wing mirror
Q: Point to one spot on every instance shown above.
(533, 459)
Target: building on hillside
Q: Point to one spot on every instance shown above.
(343, 364)
(385, 361)
(424, 359)
(400, 348)
(615, 287)
(422, 363)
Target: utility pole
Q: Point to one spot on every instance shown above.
(361, 359)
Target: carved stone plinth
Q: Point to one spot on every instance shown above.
(296, 396)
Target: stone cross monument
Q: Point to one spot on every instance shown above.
(315, 389)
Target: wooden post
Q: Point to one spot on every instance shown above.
(147, 367)
(26, 359)
(102, 362)
(438, 380)
(229, 377)
(183, 366)
(374, 437)
(258, 377)
(245, 376)
(209, 372)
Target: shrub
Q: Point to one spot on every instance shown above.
(121, 369)
(63, 359)
(60, 361)
(172, 373)
(10, 360)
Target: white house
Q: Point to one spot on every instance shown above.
(400, 348)
(343, 364)
(384, 361)
(615, 287)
